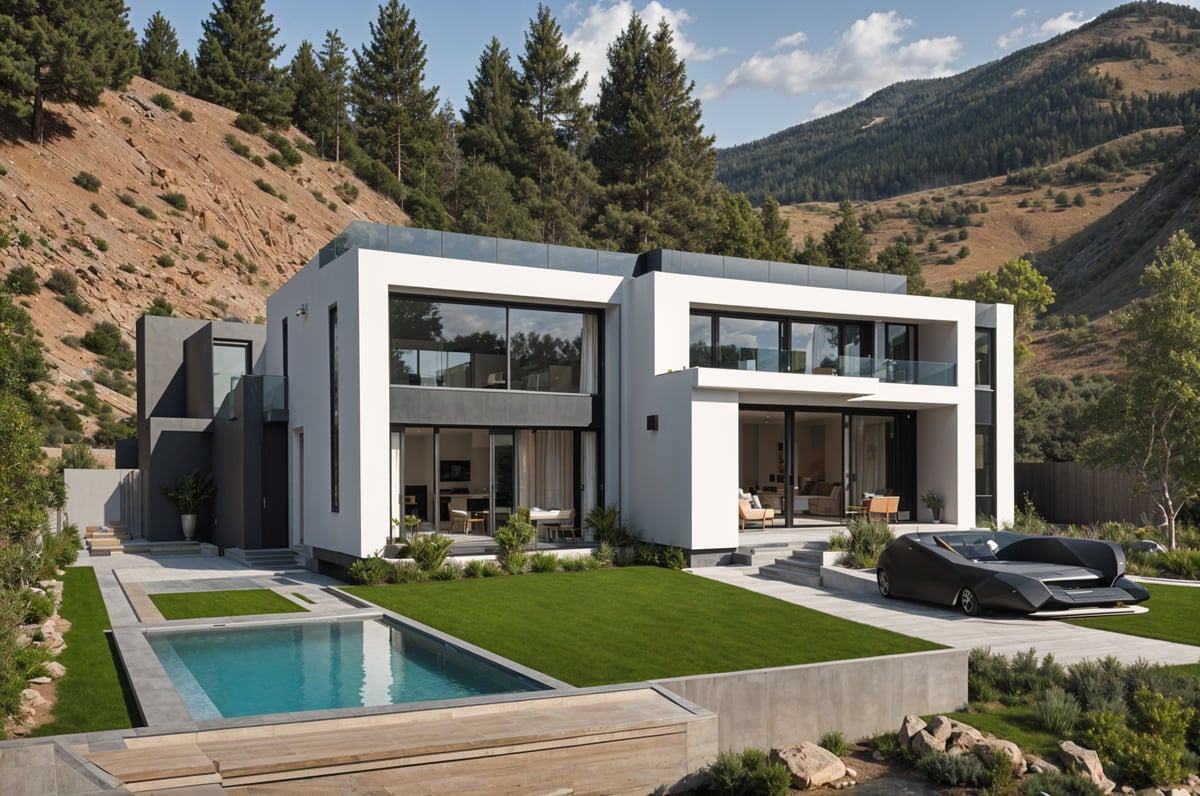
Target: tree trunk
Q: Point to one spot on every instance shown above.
(38, 115)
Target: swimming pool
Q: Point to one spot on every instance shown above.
(301, 666)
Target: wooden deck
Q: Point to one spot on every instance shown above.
(623, 741)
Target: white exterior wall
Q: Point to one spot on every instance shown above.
(1005, 375)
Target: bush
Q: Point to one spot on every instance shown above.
(98, 210)
(513, 562)
(347, 191)
(945, 769)
(88, 181)
(1150, 751)
(62, 281)
(748, 773)
(1051, 784)
(75, 304)
(1058, 712)
(543, 562)
(865, 541)
(22, 281)
(161, 308)
(126, 200)
(1098, 685)
(249, 123)
(100, 243)
(165, 260)
(105, 339)
(60, 549)
(187, 115)
(287, 153)
(266, 187)
(36, 608)
(834, 741)
(447, 571)
(369, 571)
(163, 100)
(236, 145)
(405, 572)
(1179, 563)
(473, 568)
(146, 212)
(176, 200)
(427, 551)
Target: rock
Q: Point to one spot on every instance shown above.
(1179, 792)
(810, 765)
(56, 669)
(1192, 781)
(878, 756)
(40, 681)
(940, 728)
(923, 743)
(1148, 792)
(33, 699)
(963, 736)
(851, 773)
(1036, 765)
(1084, 762)
(909, 727)
(992, 751)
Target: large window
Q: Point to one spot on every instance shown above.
(788, 345)
(748, 344)
(984, 349)
(814, 347)
(231, 361)
(452, 344)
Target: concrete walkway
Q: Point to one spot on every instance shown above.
(1007, 634)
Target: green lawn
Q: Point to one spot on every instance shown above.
(94, 695)
(635, 623)
(1172, 616)
(240, 602)
(1018, 724)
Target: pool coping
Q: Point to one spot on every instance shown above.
(163, 709)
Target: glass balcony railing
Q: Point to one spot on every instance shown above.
(274, 394)
(898, 371)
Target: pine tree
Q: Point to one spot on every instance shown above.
(160, 58)
(651, 152)
(235, 61)
(491, 108)
(899, 258)
(335, 68)
(845, 246)
(777, 243)
(308, 86)
(739, 232)
(551, 129)
(392, 108)
(62, 50)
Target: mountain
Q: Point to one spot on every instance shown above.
(176, 215)
(1133, 68)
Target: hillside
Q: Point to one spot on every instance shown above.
(216, 253)
(1134, 68)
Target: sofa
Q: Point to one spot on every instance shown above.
(825, 499)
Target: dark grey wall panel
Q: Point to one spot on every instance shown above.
(983, 407)
(440, 406)
(198, 369)
(176, 446)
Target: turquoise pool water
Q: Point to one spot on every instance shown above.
(299, 666)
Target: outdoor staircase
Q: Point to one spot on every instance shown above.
(106, 540)
(802, 567)
(274, 558)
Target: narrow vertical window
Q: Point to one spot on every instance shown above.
(334, 469)
(285, 363)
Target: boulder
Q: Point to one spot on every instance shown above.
(1179, 792)
(31, 698)
(963, 736)
(923, 743)
(940, 728)
(1084, 762)
(40, 680)
(1036, 765)
(993, 751)
(909, 727)
(810, 765)
(55, 669)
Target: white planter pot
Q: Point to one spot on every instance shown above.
(189, 525)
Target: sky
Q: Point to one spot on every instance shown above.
(759, 66)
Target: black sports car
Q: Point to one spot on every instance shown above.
(999, 570)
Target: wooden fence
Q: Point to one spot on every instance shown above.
(1071, 492)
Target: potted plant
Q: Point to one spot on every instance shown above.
(934, 501)
(189, 491)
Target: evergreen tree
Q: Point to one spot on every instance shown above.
(160, 58)
(392, 108)
(651, 152)
(62, 50)
(488, 118)
(899, 258)
(777, 240)
(235, 62)
(845, 246)
(739, 232)
(812, 252)
(484, 203)
(552, 128)
(308, 86)
(335, 69)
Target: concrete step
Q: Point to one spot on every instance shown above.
(803, 567)
(759, 554)
(276, 558)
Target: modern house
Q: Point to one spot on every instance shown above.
(444, 376)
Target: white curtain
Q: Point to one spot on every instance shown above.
(871, 448)
(397, 470)
(589, 475)
(589, 355)
(544, 469)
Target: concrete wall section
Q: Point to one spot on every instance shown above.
(178, 446)
(1005, 375)
(769, 708)
(96, 497)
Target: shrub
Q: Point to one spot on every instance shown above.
(491, 569)
(105, 339)
(427, 551)
(1051, 784)
(834, 741)
(61, 548)
(1150, 751)
(888, 744)
(127, 200)
(165, 260)
(288, 156)
(75, 304)
(543, 562)
(865, 541)
(748, 773)
(22, 281)
(126, 120)
(1098, 685)
(222, 244)
(347, 191)
(513, 562)
(163, 100)
(88, 181)
(447, 571)
(603, 553)
(249, 123)
(236, 145)
(187, 115)
(266, 187)
(37, 608)
(100, 243)
(147, 213)
(1058, 712)
(161, 308)
(405, 572)
(473, 568)
(945, 769)
(98, 210)
(62, 281)
(176, 200)
(257, 160)
(127, 268)
(1180, 563)
(369, 571)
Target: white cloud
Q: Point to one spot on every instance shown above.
(603, 22)
(790, 41)
(869, 56)
(1020, 12)
(1027, 34)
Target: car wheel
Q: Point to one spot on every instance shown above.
(881, 579)
(969, 603)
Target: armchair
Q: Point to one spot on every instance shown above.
(747, 513)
